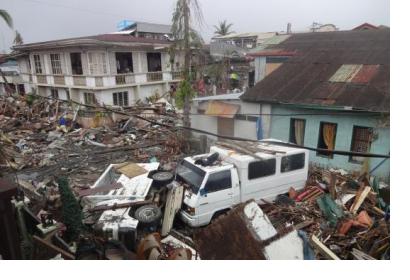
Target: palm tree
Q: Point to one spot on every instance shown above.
(6, 17)
(185, 38)
(9, 21)
(223, 28)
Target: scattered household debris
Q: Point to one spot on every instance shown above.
(120, 173)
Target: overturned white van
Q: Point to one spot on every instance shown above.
(225, 177)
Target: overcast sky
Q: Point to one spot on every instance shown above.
(39, 20)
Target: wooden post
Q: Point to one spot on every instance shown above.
(323, 249)
(203, 143)
(332, 185)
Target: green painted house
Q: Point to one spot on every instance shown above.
(329, 90)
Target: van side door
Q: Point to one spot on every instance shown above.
(217, 194)
(293, 171)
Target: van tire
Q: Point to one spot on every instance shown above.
(162, 178)
(148, 214)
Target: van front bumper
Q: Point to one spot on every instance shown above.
(188, 219)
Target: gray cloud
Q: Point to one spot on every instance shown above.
(39, 20)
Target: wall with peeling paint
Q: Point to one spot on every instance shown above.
(280, 129)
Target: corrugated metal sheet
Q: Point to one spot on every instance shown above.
(270, 67)
(365, 74)
(221, 109)
(272, 53)
(304, 78)
(345, 73)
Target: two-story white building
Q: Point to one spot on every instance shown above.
(110, 69)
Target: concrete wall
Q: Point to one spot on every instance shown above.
(145, 91)
(242, 128)
(106, 96)
(260, 66)
(280, 126)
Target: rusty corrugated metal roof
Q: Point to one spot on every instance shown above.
(345, 73)
(304, 78)
(366, 73)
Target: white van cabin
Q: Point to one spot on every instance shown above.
(238, 177)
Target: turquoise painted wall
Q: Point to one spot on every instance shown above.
(279, 129)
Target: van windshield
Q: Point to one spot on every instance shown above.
(190, 174)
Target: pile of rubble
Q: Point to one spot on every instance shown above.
(45, 137)
(345, 217)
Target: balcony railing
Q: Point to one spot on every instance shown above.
(99, 82)
(154, 76)
(59, 80)
(177, 75)
(41, 79)
(123, 79)
(79, 81)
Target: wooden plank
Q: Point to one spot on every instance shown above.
(359, 200)
(304, 224)
(131, 170)
(359, 255)
(332, 186)
(118, 206)
(63, 253)
(326, 252)
(101, 189)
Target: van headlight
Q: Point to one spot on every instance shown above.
(189, 210)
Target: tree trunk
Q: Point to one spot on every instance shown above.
(187, 66)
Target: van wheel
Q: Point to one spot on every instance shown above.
(148, 214)
(162, 177)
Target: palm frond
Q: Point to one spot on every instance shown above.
(6, 17)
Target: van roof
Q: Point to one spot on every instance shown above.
(215, 166)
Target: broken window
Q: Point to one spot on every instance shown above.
(154, 62)
(76, 64)
(292, 162)
(54, 93)
(97, 62)
(297, 131)
(120, 98)
(89, 98)
(258, 169)
(327, 138)
(55, 63)
(361, 141)
(124, 62)
(37, 64)
(218, 181)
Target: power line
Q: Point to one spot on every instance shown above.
(278, 143)
(74, 8)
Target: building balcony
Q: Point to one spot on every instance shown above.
(124, 79)
(59, 80)
(154, 76)
(177, 75)
(109, 81)
(80, 80)
(41, 79)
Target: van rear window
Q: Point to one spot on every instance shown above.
(293, 162)
(258, 169)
